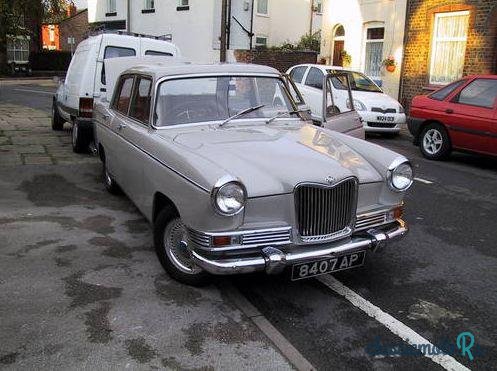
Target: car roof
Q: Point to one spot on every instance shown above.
(175, 67)
(323, 67)
(479, 77)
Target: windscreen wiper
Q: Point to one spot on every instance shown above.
(279, 114)
(241, 113)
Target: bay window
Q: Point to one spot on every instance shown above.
(450, 32)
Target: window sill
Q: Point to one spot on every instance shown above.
(113, 14)
(262, 15)
(148, 11)
(182, 8)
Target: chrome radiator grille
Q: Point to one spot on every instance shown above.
(325, 212)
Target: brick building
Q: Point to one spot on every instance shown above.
(446, 40)
(74, 27)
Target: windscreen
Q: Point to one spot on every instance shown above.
(358, 82)
(202, 99)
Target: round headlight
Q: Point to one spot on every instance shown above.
(401, 177)
(229, 199)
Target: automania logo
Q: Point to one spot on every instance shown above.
(463, 346)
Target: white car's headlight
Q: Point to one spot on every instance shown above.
(358, 105)
(400, 175)
(401, 109)
(229, 198)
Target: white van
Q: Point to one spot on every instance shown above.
(85, 79)
(379, 112)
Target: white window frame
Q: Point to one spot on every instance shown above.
(318, 5)
(182, 3)
(111, 6)
(13, 49)
(148, 4)
(257, 8)
(435, 39)
(261, 37)
(366, 41)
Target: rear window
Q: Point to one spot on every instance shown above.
(115, 52)
(158, 54)
(315, 78)
(447, 90)
(124, 96)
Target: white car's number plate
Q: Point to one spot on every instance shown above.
(340, 263)
(385, 118)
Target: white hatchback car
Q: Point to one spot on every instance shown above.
(380, 113)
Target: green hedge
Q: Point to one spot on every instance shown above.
(50, 60)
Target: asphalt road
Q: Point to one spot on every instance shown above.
(439, 281)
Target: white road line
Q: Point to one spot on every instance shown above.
(423, 181)
(395, 326)
(35, 91)
(285, 347)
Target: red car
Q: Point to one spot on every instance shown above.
(459, 116)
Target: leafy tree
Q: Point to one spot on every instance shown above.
(24, 18)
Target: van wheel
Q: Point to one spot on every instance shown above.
(80, 138)
(57, 121)
(170, 240)
(435, 142)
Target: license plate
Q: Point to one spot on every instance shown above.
(385, 118)
(329, 265)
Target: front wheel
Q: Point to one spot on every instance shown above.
(110, 184)
(170, 240)
(435, 142)
(80, 138)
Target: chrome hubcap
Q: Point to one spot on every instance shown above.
(175, 244)
(432, 141)
(74, 133)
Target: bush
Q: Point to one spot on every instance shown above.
(50, 60)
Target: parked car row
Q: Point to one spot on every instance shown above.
(240, 168)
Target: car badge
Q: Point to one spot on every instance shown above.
(330, 180)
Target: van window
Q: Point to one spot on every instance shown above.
(315, 78)
(159, 54)
(140, 104)
(124, 95)
(297, 74)
(115, 52)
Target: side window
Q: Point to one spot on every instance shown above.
(447, 90)
(315, 78)
(481, 92)
(121, 103)
(140, 104)
(115, 52)
(297, 74)
(158, 54)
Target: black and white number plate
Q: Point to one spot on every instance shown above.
(385, 118)
(339, 263)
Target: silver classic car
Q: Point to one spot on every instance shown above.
(235, 180)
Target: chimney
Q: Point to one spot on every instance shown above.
(71, 9)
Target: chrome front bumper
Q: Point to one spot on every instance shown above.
(273, 260)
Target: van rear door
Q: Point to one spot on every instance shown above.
(113, 48)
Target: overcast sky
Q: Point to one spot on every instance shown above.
(80, 4)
